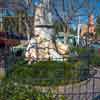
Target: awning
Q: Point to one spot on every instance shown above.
(8, 42)
(11, 39)
(12, 35)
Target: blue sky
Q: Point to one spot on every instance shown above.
(36, 1)
(83, 18)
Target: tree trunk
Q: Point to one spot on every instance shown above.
(65, 38)
(66, 31)
(19, 24)
(27, 31)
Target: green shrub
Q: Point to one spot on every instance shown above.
(10, 90)
(95, 60)
(82, 51)
(18, 85)
(47, 72)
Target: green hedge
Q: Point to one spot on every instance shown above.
(11, 90)
(79, 50)
(18, 85)
(48, 72)
(95, 59)
(15, 91)
(83, 51)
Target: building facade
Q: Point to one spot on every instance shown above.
(91, 26)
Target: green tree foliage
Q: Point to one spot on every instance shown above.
(98, 25)
(10, 24)
(73, 31)
(20, 23)
(58, 26)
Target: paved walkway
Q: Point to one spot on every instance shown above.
(85, 91)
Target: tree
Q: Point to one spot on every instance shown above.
(25, 22)
(98, 26)
(73, 31)
(21, 22)
(58, 26)
(69, 10)
(10, 24)
(72, 9)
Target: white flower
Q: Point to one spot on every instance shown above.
(15, 83)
